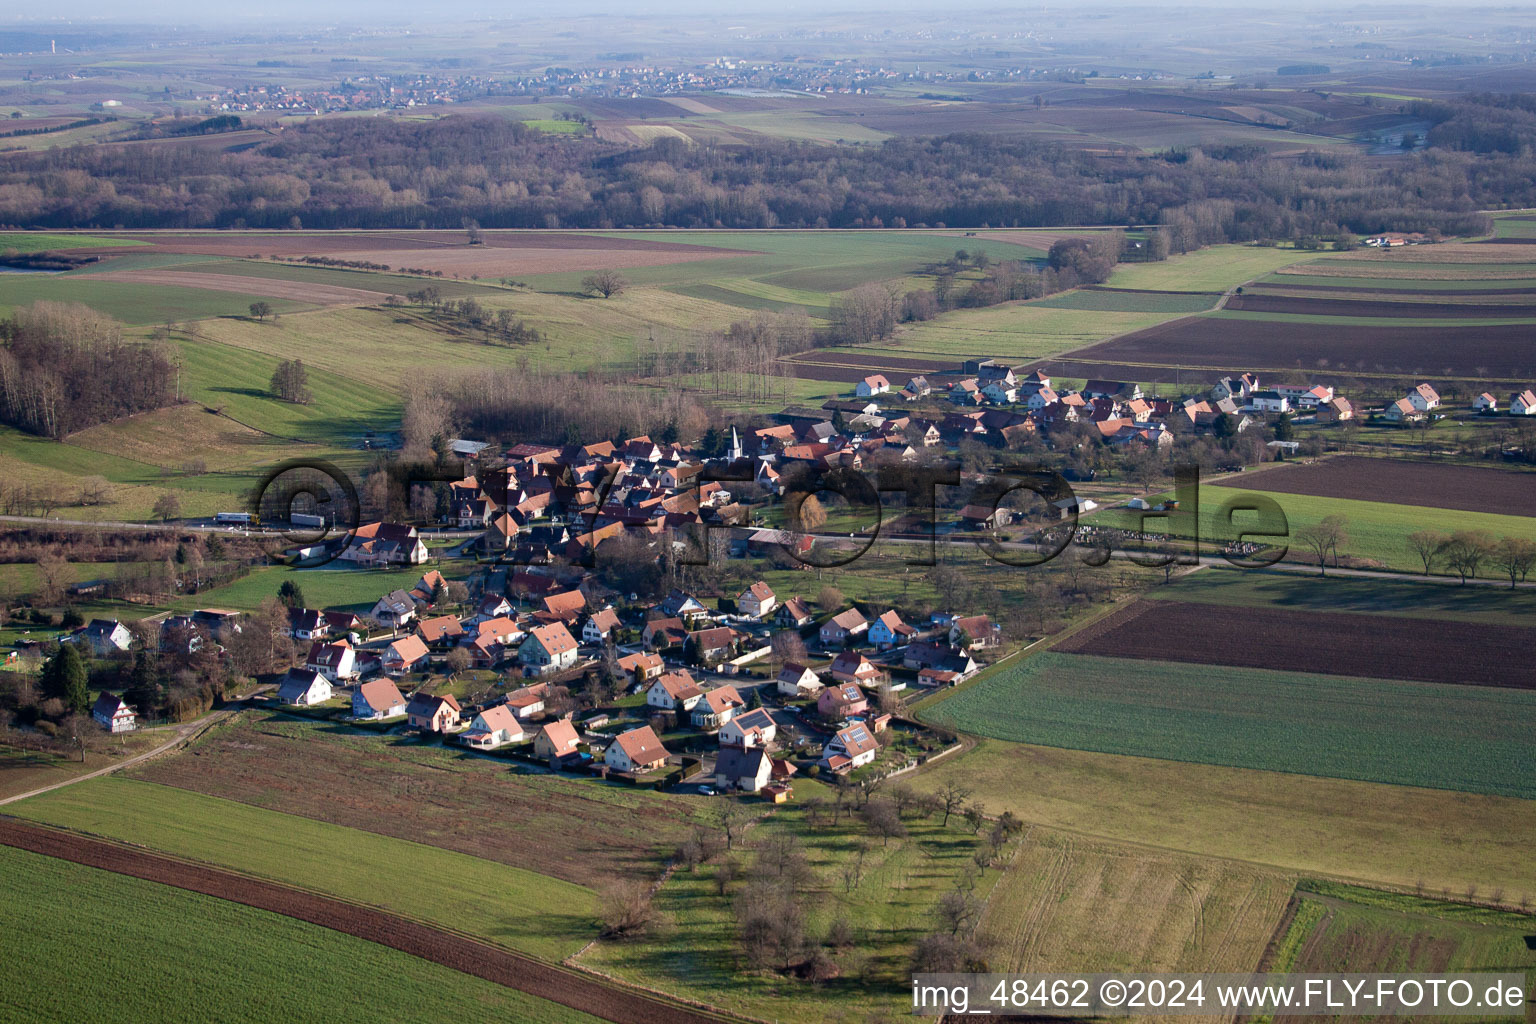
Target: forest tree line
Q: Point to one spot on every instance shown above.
(381, 173)
(65, 367)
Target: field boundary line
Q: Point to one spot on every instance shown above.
(373, 925)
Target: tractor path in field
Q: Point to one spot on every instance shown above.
(439, 945)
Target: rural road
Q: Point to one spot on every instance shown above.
(182, 734)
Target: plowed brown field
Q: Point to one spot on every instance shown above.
(1375, 646)
(1504, 350)
(461, 953)
(1430, 484)
(1321, 306)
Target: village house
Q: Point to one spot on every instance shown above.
(934, 678)
(549, 648)
(875, 384)
(431, 713)
(757, 601)
(427, 588)
(849, 748)
(638, 750)
(440, 631)
(1402, 411)
(1485, 403)
(406, 655)
(642, 667)
(566, 606)
(795, 680)
(710, 646)
(599, 626)
(336, 661)
(974, 631)
(377, 700)
(492, 728)
(915, 388)
(1336, 410)
(218, 623)
(675, 691)
(982, 517)
(394, 609)
(843, 627)
(794, 614)
(889, 631)
(744, 769)
(113, 714)
(384, 544)
(1523, 404)
(303, 686)
(103, 637)
(664, 632)
(680, 605)
(755, 728)
(557, 740)
(1268, 402)
(851, 667)
(307, 624)
(1424, 398)
(492, 607)
(717, 707)
(528, 700)
(841, 701)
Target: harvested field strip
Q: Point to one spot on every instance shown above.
(1468, 739)
(1503, 351)
(1451, 276)
(1098, 906)
(446, 887)
(1419, 291)
(1447, 318)
(294, 291)
(462, 953)
(1372, 646)
(1430, 484)
(285, 243)
(1299, 306)
(172, 956)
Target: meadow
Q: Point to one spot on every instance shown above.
(1467, 738)
(38, 241)
(183, 956)
(1362, 831)
(507, 905)
(1358, 930)
(1377, 531)
(892, 904)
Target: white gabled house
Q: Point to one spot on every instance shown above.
(757, 601)
(849, 748)
(1424, 398)
(674, 691)
(755, 728)
(304, 687)
(795, 680)
(494, 727)
(336, 661)
(103, 637)
(112, 714)
(1485, 403)
(394, 609)
(1523, 404)
(599, 626)
(638, 750)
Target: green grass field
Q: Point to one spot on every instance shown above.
(32, 241)
(1354, 929)
(1377, 531)
(132, 302)
(89, 946)
(332, 586)
(1120, 301)
(506, 905)
(1362, 831)
(1468, 738)
(1207, 270)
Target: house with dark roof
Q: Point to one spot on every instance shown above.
(431, 713)
(113, 714)
(744, 769)
(303, 687)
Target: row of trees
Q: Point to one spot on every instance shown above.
(496, 173)
(65, 367)
(1465, 552)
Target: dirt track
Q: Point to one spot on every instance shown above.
(458, 952)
